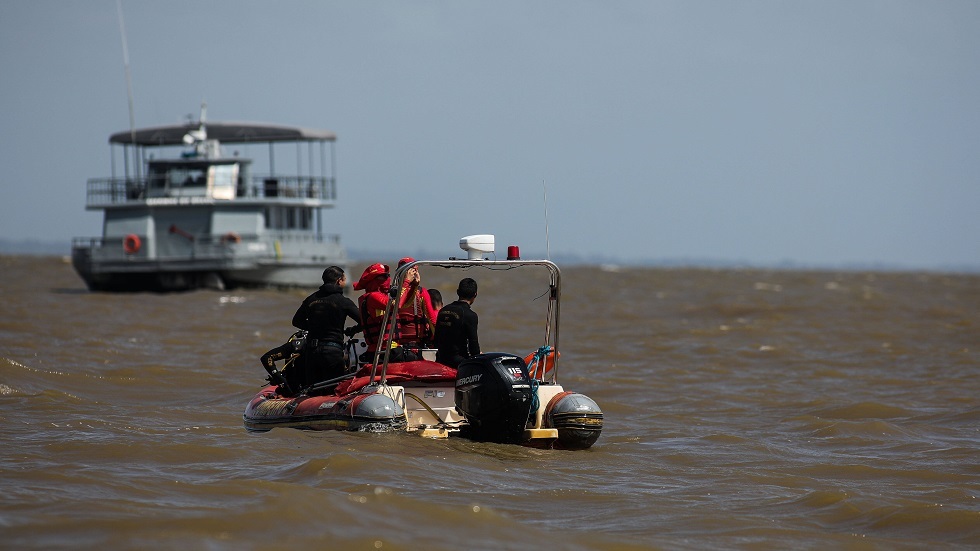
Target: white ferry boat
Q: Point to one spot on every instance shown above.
(186, 215)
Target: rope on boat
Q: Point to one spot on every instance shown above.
(427, 408)
(539, 359)
(535, 403)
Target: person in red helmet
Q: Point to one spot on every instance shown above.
(375, 284)
(416, 315)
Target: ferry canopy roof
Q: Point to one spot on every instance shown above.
(224, 132)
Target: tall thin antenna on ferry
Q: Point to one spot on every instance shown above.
(547, 239)
(129, 78)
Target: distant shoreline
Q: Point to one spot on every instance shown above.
(33, 247)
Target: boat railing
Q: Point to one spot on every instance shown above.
(388, 326)
(102, 192)
(207, 247)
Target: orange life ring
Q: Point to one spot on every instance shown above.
(131, 244)
(231, 237)
(539, 371)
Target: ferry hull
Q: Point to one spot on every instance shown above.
(103, 270)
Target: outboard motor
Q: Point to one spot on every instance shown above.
(493, 392)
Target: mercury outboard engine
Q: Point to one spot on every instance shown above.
(493, 392)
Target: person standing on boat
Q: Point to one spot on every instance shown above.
(456, 327)
(417, 315)
(323, 315)
(372, 304)
(436, 297)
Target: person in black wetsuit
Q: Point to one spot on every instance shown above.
(456, 327)
(323, 315)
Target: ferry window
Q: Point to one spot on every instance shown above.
(224, 179)
(289, 218)
(186, 177)
(158, 180)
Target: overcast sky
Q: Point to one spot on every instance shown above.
(820, 133)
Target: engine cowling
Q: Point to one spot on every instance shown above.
(493, 393)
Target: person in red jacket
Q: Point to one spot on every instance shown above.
(376, 285)
(416, 315)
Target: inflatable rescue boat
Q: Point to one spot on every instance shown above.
(495, 397)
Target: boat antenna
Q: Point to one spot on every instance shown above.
(129, 79)
(547, 239)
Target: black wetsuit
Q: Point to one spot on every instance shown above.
(323, 315)
(456, 334)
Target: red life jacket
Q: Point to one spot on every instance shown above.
(372, 305)
(416, 318)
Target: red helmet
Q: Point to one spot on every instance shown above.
(405, 260)
(371, 273)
